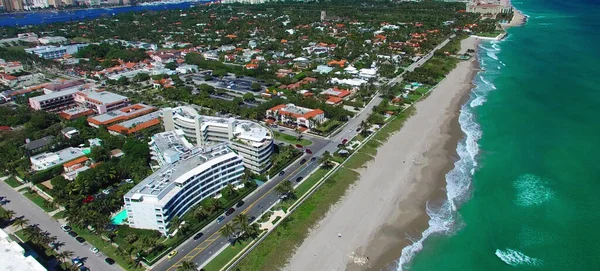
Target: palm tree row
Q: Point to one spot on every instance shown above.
(242, 224)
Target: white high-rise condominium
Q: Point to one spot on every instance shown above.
(178, 186)
(254, 142)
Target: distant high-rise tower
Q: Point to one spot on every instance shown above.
(17, 4)
(323, 15)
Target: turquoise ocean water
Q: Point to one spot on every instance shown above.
(525, 194)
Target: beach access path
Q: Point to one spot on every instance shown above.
(392, 190)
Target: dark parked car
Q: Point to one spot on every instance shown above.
(313, 159)
(281, 173)
(109, 261)
(299, 179)
(344, 141)
(198, 235)
(72, 233)
(299, 146)
(230, 211)
(239, 204)
(252, 219)
(79, 239)
(302, 161)
(308, 151)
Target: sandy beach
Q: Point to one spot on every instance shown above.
(387, 204)
(518, 18)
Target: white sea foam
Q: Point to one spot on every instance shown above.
(532, 190)
(516, 258)
(445, 219)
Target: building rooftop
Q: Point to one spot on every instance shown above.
(13, 257)
(124, 113)
(42, 142)
(102, 97)
(162, 184)
(75, 112)
(66, 92)
(296, 111)
(50, 159)
(137, 124)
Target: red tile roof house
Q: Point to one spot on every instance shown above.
(296, 116)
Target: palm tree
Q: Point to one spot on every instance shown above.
(21, 222)
(253, 230)
(284, 188)
(215, 204)
(227, 231)
(8, 215)
(364, 127)
(187, 266)
(241, 221)
(66, 254)
(201, 213)
(325, 160)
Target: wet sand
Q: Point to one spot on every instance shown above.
(387, 204)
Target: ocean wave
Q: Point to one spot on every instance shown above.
(516, 258)
(445, 219)
(532, 190)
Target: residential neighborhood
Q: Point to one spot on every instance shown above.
(204, 123)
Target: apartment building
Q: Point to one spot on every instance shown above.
(176, 188)
(122, 114)
(136, 124)
(101, 101)
(291, 114)
(251, 140)
(47, 160)
(54, 52)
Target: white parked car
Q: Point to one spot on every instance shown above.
(93, 249)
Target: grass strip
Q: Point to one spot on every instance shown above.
(276, 249)
(358, 160)
(226, 255)
(12, 181)
(292, 139)
(39, 201)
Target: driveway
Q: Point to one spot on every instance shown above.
(24, 207)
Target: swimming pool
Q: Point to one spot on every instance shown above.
(119, 218)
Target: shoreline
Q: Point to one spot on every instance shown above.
(388, 201)
(392, 239)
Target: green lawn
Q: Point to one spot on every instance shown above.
(39, 201)
(12, 181)
(275, 250)
(292, 139)
(226, 256)
(358, 160)
(59, 215)
(310, 181)
(370, 147)
(394, 125)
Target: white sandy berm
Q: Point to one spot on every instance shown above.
(392, 187)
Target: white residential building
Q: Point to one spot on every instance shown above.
(47, 160)
(14, 257)
(251, 140)
(296, 115)
(176, 188)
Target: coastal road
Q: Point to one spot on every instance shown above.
(199, 251)
(412, 67)
(24, 207)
